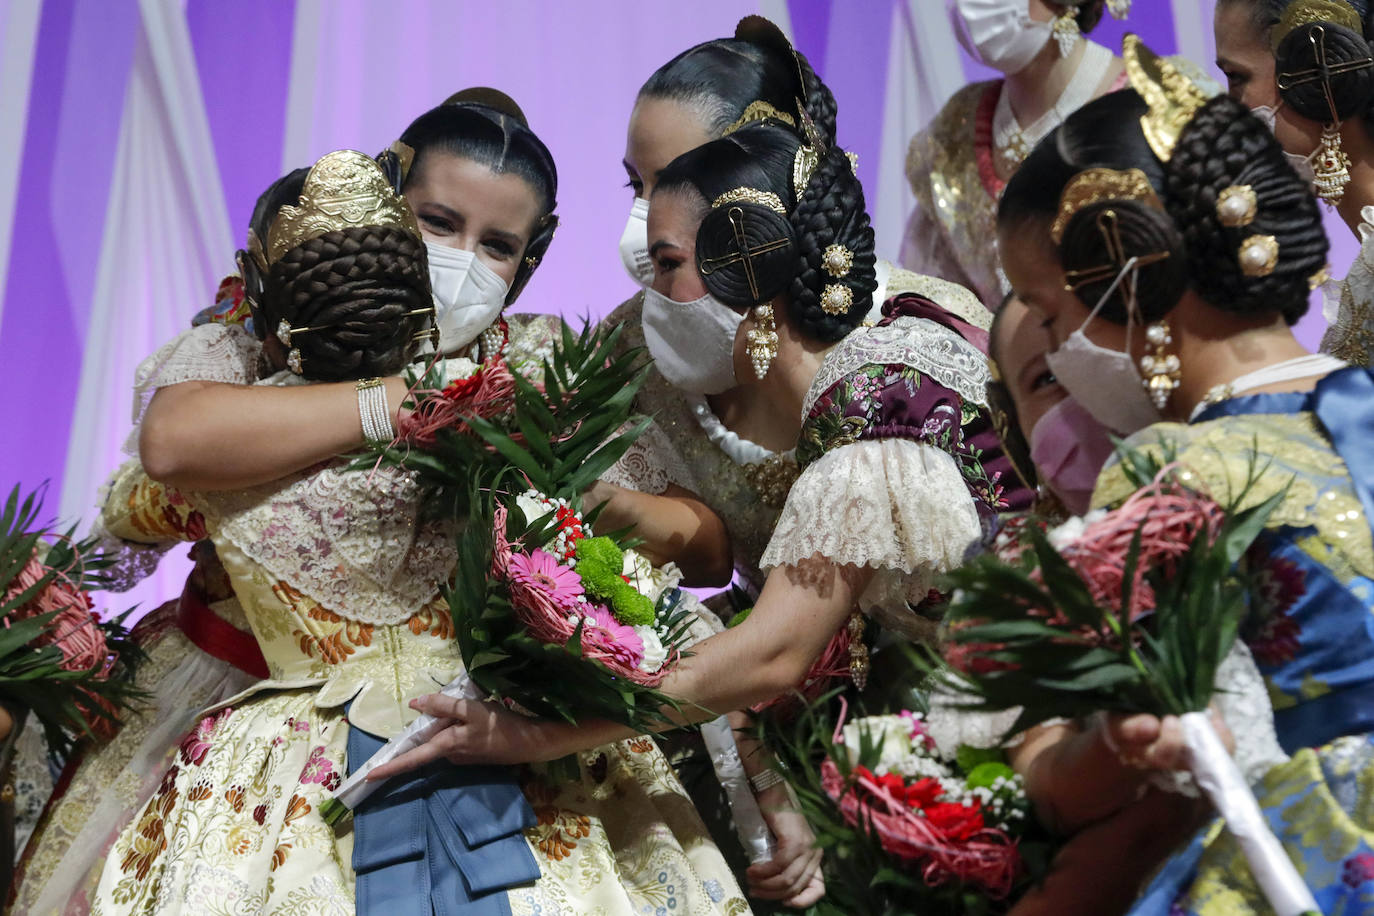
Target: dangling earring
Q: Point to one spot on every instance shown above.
(1331, 171)
(858, 650)
(763, 339)
(1119, 9)
(1066, 31)
(293, 361)
(1160, 369)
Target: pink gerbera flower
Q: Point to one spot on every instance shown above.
(612, 637)
(540, 583)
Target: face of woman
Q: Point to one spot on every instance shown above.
(1021, 347)
(465, 205)
(1032, 265)
(1246, 60)
(660, 131)
(674, 218)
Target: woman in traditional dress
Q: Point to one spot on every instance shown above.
(1324, 121)
(1168, 225)
(959, 164)
(353, 627)
(762, 243)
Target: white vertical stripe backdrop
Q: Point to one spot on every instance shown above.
(18, 43)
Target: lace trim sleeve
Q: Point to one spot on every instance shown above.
(894, 505)
(206, 353)
(649, 465)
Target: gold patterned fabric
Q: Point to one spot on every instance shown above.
(1350, 335)
(234, 824)
(953, 232)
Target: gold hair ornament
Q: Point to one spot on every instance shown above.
(837, 260)
(405, 155)
(1237, 206)
(1319, 278)
(1093, 186)
(344, 189)
(759, 110)
(750, 196)
(1116, 255)
(1259, 255)
(1172, 97)
(804, 166)
(742, 253)
(836, 299)
(1305, 12)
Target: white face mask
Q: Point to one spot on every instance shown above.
(1106, 381)
(692, 343)
(1301, 164)
(634, 244)
(999, 33)
(468, 295)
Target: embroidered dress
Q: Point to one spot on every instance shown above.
(1350, 305)
(900, 465)
(339, 578)
(744, 483)
(198, 647)
(1316, 656)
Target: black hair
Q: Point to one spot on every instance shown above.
(830, 212)
(1089, 14)
(485, 126)
(1224, 145)
(719, 79)
(1351, 87)
(363, 292)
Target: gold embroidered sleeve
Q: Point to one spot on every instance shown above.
(139, 509)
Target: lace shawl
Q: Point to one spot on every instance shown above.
(1349, 307)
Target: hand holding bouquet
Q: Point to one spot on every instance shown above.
(1130, 610)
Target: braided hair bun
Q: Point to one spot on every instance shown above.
(1344, 46)
(1223, 146)
(786, 238)
(363, 292)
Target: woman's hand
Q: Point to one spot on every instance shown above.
(480, 733)
(793, 876)
(1152, 743)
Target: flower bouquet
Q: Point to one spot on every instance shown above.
(1130, 610)
(910, 827)
(58, 659)
(548, 617)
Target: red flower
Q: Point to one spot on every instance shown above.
(923, 792)
(957, 822)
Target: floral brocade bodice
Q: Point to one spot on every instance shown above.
(337, 575)
(912, 376)
(1312, 630)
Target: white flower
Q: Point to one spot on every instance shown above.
(891, 734)
(639, 571)
(457, 368)
(654, 652)
(533, 505)
(1065, 534)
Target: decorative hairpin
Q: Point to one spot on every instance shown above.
(1237, 205)
(1320, 277)
(837, 260)
(1259, 255)
(1109, 225)
(1093, 186)
(836, 299)
(759, 110)
(1172, 97)
(750, 196)
(343, 189)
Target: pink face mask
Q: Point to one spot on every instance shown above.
(1069, 448)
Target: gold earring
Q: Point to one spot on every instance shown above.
(1331, 171)
(858, 650)
(1161, 369)
(293, 361)
(763, 339)
(1066, 31)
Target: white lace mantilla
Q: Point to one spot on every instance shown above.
(351, 540)
(931, 348)
(205, 353)
(1349, 306)
(894, 505)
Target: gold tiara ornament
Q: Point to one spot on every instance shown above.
(1172, 97)
(750, 196)
(759, 110)
(344, 189)
(1094, 186)
(1306, 12)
